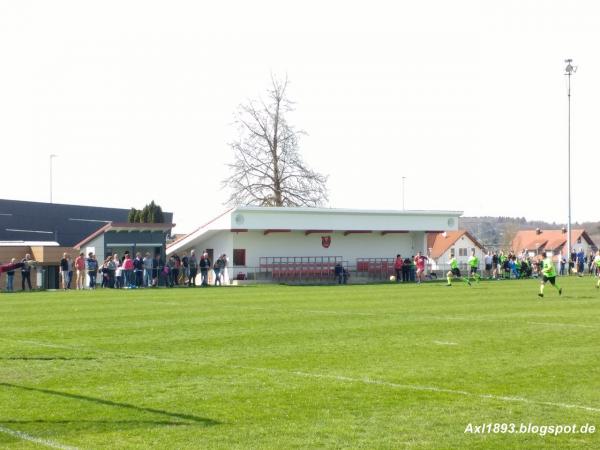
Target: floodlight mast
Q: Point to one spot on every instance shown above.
(569, 70)
(52, 156)
(403, 181)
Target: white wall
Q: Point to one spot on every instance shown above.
(351, 247)
(323, 219)
(220, 241)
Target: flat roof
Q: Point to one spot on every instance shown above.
(310, 220)
(309, 210)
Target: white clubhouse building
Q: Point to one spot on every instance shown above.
(250, 236)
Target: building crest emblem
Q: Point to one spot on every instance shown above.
(326, 241)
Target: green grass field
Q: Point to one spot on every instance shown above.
(380, 366)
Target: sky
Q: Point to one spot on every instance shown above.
(466, 99)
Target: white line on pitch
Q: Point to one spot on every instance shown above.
(158, 302)
(412, 387)
(335, 313)
(445, 343)
(562, 324)
(37, 440)
(310, 311)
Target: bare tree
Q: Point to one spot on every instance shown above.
(268, 169)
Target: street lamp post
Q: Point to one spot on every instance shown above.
(52, 156)
(569, 70)
(403, 180)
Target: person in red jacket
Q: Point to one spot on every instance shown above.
(398, 267)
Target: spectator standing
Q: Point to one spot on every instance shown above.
(26, 271)
(128, 271)
(64, 271)
(218, 267)
(118, 272)
(156, 268)
(590, 262)
(10, 277)
(193, 263)
(80, 271)
(495, 266)
(111, 268)
(580, 262)
(225, 271)
(184, 272)
(341, 274)
(138, 268)
(205, 265)
(148, 266)
(398, 267)
(70, 271)
(92, 269)
(176, 269)
(104, 272)
(170, 271)
(488, 265)
(406, 270)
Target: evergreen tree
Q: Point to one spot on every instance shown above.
(151, 213)
(132, 215)
(145, 215)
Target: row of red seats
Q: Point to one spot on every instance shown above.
(386, 267)
(304, 270)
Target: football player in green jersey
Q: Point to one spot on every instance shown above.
(548, 274)
(474, 266)
(597, 264)
(455, 272)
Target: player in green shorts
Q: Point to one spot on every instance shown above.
(597, 264)
(455, 272)
(548, 274)
(473, 267)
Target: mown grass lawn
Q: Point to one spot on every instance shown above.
(380, 366)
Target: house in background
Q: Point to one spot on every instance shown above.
(460, 243)
(534, 242)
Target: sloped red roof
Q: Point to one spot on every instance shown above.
(443, 241)
(546, 239)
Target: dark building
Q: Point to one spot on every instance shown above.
(53, 222)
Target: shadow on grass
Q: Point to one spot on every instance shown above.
(200, 420)
(94, 422)
(45, 358)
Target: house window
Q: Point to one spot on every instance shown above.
(462, 252)
(239, 256)
(452, 252)
(579, 240)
